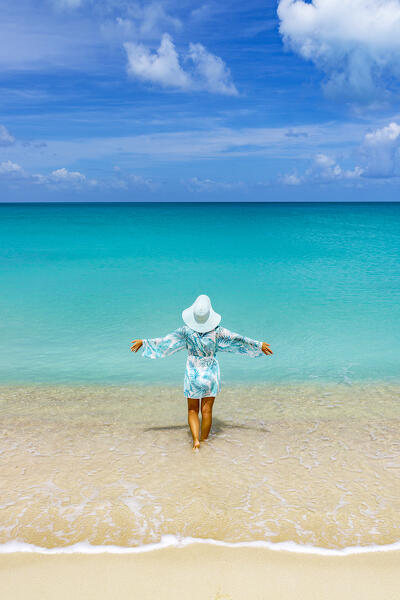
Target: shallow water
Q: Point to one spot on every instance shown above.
(308, 463)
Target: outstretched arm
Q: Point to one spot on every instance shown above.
(228, 341)
(162, 346)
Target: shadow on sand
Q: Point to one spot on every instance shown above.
(218, 426)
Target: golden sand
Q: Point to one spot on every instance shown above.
(200, 572)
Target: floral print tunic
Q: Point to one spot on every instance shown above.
(202, 376)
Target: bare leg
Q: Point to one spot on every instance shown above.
(206, 416)
(193, 420)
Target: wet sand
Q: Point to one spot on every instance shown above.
(201, 572)
(311, 464)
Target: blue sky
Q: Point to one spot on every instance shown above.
(107, 100)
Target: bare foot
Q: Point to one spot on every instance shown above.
(204, 439)
(196, 445)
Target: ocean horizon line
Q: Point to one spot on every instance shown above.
(190, 203)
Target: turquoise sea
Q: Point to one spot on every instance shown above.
(319, 282)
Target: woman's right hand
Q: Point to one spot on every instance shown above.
(136, 344)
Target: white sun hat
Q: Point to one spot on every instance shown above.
(200, 316)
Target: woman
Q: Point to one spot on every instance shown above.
(203, 338)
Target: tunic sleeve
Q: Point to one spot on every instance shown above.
(228, 341)
(164, 346)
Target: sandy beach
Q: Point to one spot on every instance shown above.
(313, 465)
(200, 572)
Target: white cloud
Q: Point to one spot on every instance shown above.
(62, 178)
(356, 43)
(210, 185)
(64, 175)
(150, 18)
(211, 72)
(135, 22)
(130, 180)
(10, 169)
(59, 178)
(324, 169)
(292, 179)
(6, 139)
(380, 152)
(163, 67)
(378, 156)
(139, 180)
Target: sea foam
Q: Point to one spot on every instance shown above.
(172, 541)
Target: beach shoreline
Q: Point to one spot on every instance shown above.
(314, 465)
(200, 571)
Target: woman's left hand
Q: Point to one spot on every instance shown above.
(266, 349)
